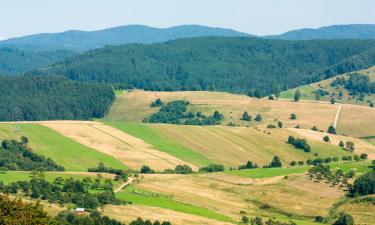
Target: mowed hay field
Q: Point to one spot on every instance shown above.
(135, 105)
(292, 198)
(129, 150)
(63, 150)
(231, 146)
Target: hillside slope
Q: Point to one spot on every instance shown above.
(15, 61)
(354, 120)
(234, 64)
(85, 40)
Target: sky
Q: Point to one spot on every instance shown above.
(260, 17)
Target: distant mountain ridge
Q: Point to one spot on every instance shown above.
(86, 40)
(351, 31)
(75, 40)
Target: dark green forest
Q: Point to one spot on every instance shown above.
(51, 98)
(233, 64)
(14, 61)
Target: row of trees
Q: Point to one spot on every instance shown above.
(120, 174)
(323, 172)
(175, 112)
(52, 98)
(235, 64)
(16, 155)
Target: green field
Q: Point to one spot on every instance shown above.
(267, 172)
(14, 176)
(307, 93)
(359, 167)
(64, 151)
(160, 142)
(141, 197)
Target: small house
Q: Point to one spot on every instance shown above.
(80, 210)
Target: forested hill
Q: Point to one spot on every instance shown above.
(14, 61)
(52, 98)
(85, 40)
(234, 64)
(351, 31)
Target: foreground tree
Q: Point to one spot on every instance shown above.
(14, 211)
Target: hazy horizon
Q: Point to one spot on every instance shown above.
(257, 17)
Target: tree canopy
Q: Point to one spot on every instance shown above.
(234, 64)
(52, 98)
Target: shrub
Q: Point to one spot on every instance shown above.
(212, 168)
(299, 143)
(364, 185)
(326, 138)
(146, 169)
(246, 117)
(297, 95)
(344, 219)
(271, 126)
(293, 116)
(156, 103)
(331, 130)
(258, 118)
(183, 169)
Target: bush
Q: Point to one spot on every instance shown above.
(212, 168)
(156, 103)
(326, 138)
(183, 169)
(293, 116)
(246, 117)
(299, 143)
(363, 156)
(248, 165)
(319, 219)
(271, 126)
(364, 185)
(344, 219)
(258, 118)
(276, 162)
(297, 95)
(146, 169)
(331, 130)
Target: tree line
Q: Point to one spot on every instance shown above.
(52, 98)
(233, 64)
(64, 191)
(16, 155)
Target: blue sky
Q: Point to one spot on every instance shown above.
(22, 17)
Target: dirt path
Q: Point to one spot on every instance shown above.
(337, 116)
(128, 182)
